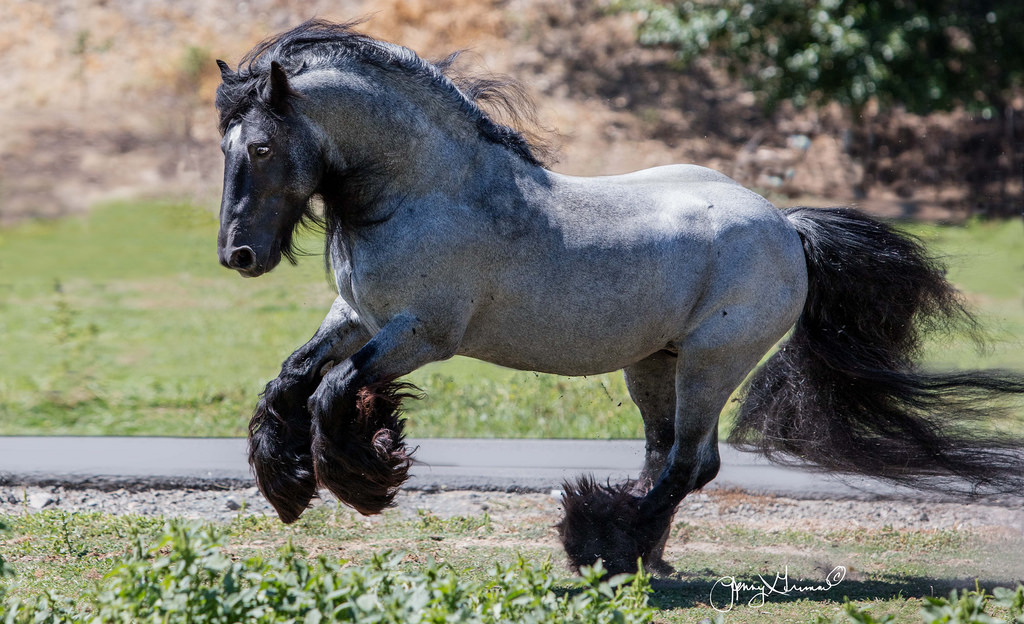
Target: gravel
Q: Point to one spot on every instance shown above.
(706, 508)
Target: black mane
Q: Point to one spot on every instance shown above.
(320, 43)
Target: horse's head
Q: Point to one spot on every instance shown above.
(272, 167)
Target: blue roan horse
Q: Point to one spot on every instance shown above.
(447, 237)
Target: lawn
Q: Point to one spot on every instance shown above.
(122, 322)
(891, 571)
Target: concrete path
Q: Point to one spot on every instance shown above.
(526, 465)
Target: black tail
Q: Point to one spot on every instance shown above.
(844, 392)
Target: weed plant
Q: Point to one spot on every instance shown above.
(186, 577)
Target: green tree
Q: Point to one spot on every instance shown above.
(926, 55)
(923, 55)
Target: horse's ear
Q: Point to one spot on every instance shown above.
(280, 90)
(225, 71)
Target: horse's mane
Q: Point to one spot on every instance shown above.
(319, 43)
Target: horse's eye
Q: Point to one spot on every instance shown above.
(262, 150)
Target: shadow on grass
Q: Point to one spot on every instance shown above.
(752, 590)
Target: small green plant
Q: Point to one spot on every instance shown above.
(75, 341)
(854, 614)
(81, 50)
(968, 607)
(195, 62)
(67, 539)
(1012, 600)
(186, 577)
(457, 525)
(5, 570)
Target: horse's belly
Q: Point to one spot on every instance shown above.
(548, 353)
(577, 336)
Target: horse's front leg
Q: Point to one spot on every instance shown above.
(357, 439)
(279, 431)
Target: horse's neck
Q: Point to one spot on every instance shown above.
(417, 143)
(497, 184)
(441, 166)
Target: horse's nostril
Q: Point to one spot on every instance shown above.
(242, 258)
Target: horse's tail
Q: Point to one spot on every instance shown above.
(844, 393)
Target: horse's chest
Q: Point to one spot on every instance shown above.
(376, 293)
(369, 299)
(363, 292)
(406, 270)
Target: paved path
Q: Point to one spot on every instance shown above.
(527, 465)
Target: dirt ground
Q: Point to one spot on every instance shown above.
(711, 507)
(112, 99)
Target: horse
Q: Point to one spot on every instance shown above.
(447, 236)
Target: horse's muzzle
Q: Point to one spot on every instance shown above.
(242, 259)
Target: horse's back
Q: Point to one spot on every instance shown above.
(705, 212)
(750, 255)
(703, 195)
(679, 173)
(619, 267)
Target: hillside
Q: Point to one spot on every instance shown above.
(113, 98)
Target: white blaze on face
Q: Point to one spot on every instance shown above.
(231, 136)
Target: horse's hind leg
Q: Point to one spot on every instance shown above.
(592, 508)
(652, 386)
(712, 364)
(620, 528)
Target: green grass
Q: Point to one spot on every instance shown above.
(894, 571)
(123, 323)
(986, 261)
(187, 576)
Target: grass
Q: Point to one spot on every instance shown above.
(123, 323)
(187, 577)
(986, 261)
(893, 571)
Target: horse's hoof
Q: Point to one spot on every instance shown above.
(659, 567)
(604, 522)
(600, 523)
(281, 461)
(359, 452)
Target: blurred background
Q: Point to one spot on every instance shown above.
(116, 318)
(113, 98)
